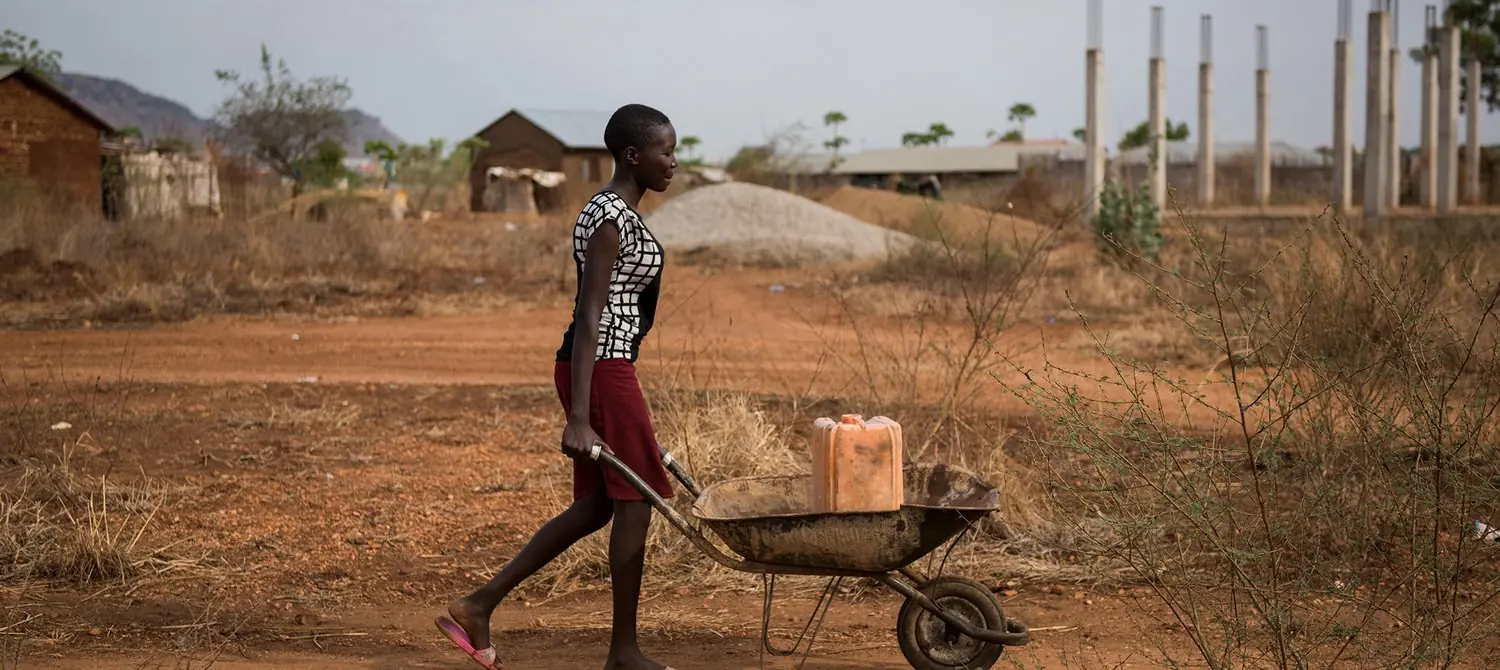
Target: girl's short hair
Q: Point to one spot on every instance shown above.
(631, 126)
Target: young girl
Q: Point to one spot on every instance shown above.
(619, 265)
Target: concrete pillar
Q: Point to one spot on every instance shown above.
(1343, 158)
(1377, 113)
(1206, 159)
(1473, 195)
(1093, 124)
(1393, 132)
(1447, 121)
(1262, 137)
(1427, 185)
(1158, 125)
(1206, 172)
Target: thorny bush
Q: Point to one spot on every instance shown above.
(1308, 503)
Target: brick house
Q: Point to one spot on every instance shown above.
(566, 141)
(50, 140)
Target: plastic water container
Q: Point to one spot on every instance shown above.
(856, 465)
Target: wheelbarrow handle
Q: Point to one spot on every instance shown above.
(672, 465)
(610, 461)
(675, 467)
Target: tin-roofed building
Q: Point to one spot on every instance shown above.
(553, 140)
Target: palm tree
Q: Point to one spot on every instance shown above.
(1020, 113)
(690, 143)
(833, 119)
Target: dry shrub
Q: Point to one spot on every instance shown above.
(1319, 516)
(975, 279)
(173, 269)
(60, 525)
(717, 436)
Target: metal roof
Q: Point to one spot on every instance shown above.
(933, 160)
(6, 71)
(575, 128)
(1185, 152)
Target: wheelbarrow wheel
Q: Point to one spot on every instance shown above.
(928, 644)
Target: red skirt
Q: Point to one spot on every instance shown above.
(618, 413)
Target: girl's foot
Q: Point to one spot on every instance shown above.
(474, 619)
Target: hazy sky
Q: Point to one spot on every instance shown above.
(732, 72)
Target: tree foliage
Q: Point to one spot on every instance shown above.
(428, 170)
(689, 146)
(836, 143)
(1479, 37)
(18, 49)
(1020, 113)
(1140, 135)
(280, 120)
(937, 133)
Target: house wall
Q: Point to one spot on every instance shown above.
(587, 170)
(48, 144)
(516, 143)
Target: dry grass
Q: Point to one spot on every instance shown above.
(58, 525)
(60, 269)
(718, 436)
(1317, 519)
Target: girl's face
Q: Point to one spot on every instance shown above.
(654, 162)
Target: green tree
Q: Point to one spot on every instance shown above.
(1012, 135)
(1020, 113)
(325, 167)
(1479, 36)
(833, 119)
(18, 49)
(1140, 135)
(386, 154)
(917, 139)
(427, 172)
(939, 132)
(689, 144)
(1081, 134)
(280, 120)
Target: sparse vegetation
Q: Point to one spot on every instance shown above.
(1128, 221)
(279, 120)
(18, 49)
(1305, 504)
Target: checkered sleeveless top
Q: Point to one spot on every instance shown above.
(634, 282)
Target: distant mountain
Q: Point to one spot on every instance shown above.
(158, 117)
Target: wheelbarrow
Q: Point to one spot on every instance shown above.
(946, 623)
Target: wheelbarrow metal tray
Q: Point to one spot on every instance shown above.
(770, 520)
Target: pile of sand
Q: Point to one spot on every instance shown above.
(757, 223)
(924, 218)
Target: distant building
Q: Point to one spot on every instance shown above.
(1040, 144)
(51, 140)
(1185, 152)
(567, 141)
(879, 167)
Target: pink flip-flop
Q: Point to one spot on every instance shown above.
(456, 635)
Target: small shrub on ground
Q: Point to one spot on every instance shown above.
(59, 525)
(1128, 221)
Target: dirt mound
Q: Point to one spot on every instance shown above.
(925, 218)
(756, 223)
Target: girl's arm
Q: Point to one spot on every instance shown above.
(598, 263)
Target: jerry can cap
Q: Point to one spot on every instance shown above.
(852, 418)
